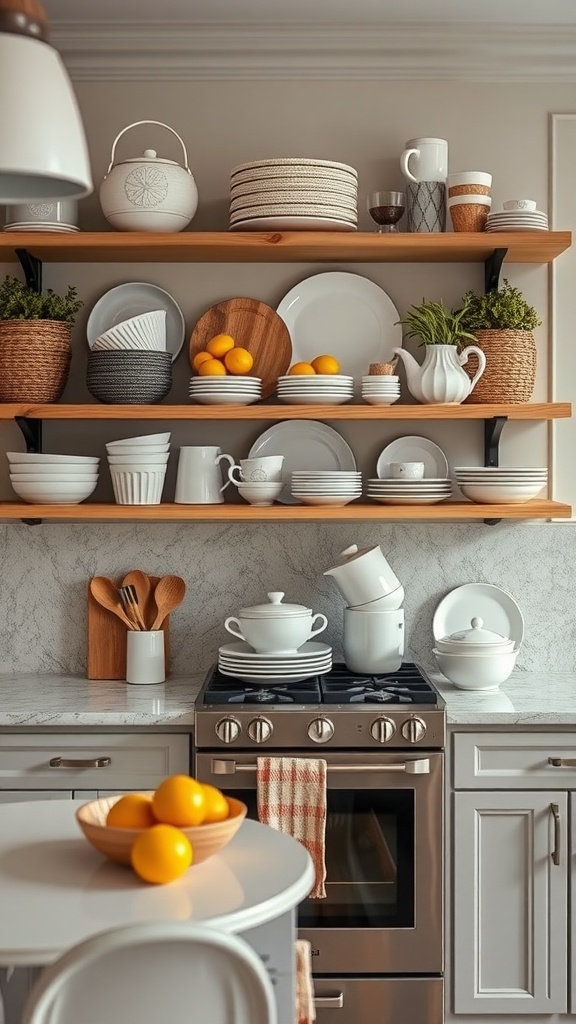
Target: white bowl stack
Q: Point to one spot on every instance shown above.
(427, 491)
(138, 468)
(488, 485)
(147, 332)
(229, 390)
(308, 193)
(381, 389)
(315, 389)
(326, 487)
(53, 479)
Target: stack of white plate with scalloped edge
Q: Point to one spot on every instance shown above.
(427, 491)
(517, 220)
(292, 193)
(229, 390)
(501, 485)
(316, 389)
(241, 661)
(326, 487)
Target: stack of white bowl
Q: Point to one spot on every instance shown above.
(228, 390)
(146, 332)
(381, 389)
(315, 389)
(326, 487)
(138, 468)
(53, 479)
(427, 491)
(476, 658)
(510, 485)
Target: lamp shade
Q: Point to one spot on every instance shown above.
(43, 150)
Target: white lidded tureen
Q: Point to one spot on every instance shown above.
(275, 627)
(476, 658)
(475, 640)
(148, 192)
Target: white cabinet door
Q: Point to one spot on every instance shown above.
(572, 883)
(12, 796)
(510, 903)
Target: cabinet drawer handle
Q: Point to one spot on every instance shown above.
(329, 1002)
(562, 762)
(555, 811)
(80, 762)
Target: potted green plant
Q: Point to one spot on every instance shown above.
(441, 377)
(35, 341)
(502, 322)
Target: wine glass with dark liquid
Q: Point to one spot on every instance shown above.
(386, 209)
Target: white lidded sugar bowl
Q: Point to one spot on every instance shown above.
(276, 628)
(148, 193)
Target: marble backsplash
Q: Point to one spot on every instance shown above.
(45, 570)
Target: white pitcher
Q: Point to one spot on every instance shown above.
(199, 479)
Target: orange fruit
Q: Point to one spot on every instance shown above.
(305, 369)
(211, 368)
(179, 800)
(215, 804)
(238, 360)
(326, 364)
(199, 358)
(161, 854)
(131, 811)
(219, 345)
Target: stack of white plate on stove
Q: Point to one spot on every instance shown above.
(427, 491)
(510, 485)
(316, 389)
(381, 389)
(326, 487)
(241, 661)
(227, 390)
(293, 194)
(517, 220)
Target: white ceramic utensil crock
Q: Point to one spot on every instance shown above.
(275, 627)
(363, 575)
(148, 193)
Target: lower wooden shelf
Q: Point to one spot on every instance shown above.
(227, 512)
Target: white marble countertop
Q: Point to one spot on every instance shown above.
(49, 701)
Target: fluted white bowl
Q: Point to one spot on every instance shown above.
(145, 331)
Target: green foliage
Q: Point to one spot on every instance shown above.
(504, 308)
(19, 302)
(434, 324)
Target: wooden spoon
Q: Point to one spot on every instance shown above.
(105, 592)
(168, 595)
(143, 587)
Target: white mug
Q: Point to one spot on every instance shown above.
(145, 656)
(425, 160)
(373, 643)
(199, 478)
(268, 469)
(363, 575)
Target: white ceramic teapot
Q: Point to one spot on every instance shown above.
(274, 627)
(148, 193)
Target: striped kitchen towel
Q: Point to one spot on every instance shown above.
(292, 799)
(305, 1009)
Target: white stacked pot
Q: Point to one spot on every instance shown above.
(138, 468)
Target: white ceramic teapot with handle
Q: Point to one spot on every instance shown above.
(148, 193)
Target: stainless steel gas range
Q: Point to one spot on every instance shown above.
(377, 938)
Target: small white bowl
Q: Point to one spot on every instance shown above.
(138, 449)
(264, 493)
(137, 466)
(142, 439)
(476, 672)
(519, 204)
(79, 479)
(48, 473)
(158, 458)
(21, 457)
(54, 494)
(145, 331)
(503, 494)
(139, 487)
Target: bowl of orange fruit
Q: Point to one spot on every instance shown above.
(163, 832)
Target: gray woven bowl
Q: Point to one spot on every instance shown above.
(130, 377)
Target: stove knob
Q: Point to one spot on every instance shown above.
(260, 730)
(320, 730)
(227, 730)
(383, 729)
(413, 729)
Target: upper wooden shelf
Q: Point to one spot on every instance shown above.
(282, 247)
(262, 411)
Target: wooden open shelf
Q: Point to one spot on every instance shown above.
(282, 247)
(463, 510)
(263, 411)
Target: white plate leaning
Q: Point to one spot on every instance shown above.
(128, 300)
(304, 444)
(413, 449)
(497, 609)
(344, 314)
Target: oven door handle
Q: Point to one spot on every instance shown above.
(419, 766)
(329, 1002)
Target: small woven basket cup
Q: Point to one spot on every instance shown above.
(34, 360)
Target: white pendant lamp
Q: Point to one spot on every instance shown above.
(43, 151)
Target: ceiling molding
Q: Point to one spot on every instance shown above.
(96, 51)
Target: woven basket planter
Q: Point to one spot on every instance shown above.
(510, 371)
(34, 360)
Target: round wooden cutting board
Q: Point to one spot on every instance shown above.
(254, 326)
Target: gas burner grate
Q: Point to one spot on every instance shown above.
(222, 689)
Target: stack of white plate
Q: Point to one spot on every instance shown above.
(293, 194)
(316, 389)
(225, 390)
(241, 661)
(326, 487)
(428, 491)
(500, 485)
(381, 389)
(138, 468)
(517, 220)
(53, 479)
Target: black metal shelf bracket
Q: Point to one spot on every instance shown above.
(492, 268)
(32, 268)
(32, 432)
(492, 432)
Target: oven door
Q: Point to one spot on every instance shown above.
(384, 865)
